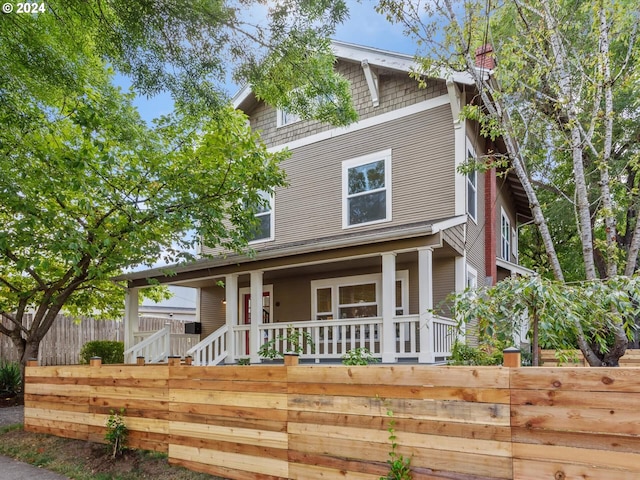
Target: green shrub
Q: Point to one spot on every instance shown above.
(463, 354)
(358, 356)
(110, 351)
(10, 377)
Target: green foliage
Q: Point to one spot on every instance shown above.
(399, 466)
(116, 435)
(244, 361)
(358, 356)
(463, 354)
(110, 351)
(294, 341)
(10, 377)
(89, 189)
(562, 312)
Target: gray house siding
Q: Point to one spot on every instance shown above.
(422, 178)
(212, 312)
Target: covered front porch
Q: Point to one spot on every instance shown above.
(356, 298)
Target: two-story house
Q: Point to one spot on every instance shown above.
(376, 227)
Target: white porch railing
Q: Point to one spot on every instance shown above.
(212, 350)
(444, 336)
(331, 339)
(155, 348)
(179, 344)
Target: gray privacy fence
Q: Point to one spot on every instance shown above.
(62, 344)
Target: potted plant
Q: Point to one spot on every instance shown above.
(288, 346)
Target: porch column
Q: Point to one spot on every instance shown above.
(231, 314)
(460, 285)
(388, 307)
(256, 316)
(131, 320)
(425, 294)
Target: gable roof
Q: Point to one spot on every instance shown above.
(383, 60)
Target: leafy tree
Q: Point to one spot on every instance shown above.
(88, 189)
(589, 309)
(564, 100)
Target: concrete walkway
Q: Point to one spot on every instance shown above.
(11, 469)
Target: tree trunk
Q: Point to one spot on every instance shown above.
(27, 350)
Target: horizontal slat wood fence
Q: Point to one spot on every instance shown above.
(575, 358)
(63, 342)
(325, 422)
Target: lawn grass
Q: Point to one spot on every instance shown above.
(81, 460)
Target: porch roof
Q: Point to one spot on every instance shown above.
(396, 232)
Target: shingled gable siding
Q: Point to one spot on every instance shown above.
(397, 90)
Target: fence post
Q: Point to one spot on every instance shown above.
(174, 361)
(32, 362)
(511, 357)
(95, 361)
(188, 360)
(291, 359)
(140, 360)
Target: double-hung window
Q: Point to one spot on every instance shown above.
(505, 236)
(366, 189)
(472, 186)
(264, 228)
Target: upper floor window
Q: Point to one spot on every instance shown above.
(286, 118)
(505, 236)
(366, 189)
(264, 228)
(472, 187)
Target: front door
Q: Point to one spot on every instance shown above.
(266, 313)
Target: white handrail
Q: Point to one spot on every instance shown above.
(155, 348)
(212, 350)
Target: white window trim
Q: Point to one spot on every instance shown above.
(505, 241)
(336, 282)
(472, 151)
(272, 224)
(354, 162)
(472, 273)
(514, 243)
(280, 113)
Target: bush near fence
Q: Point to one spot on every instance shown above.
(319, 422)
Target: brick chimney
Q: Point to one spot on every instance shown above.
(485, 57)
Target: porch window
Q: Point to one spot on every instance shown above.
(323, 302)
(357, 301)
(505, 236)
(366, 188)
(356, 297)
(264, 229)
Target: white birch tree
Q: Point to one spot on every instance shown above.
(564, 97)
